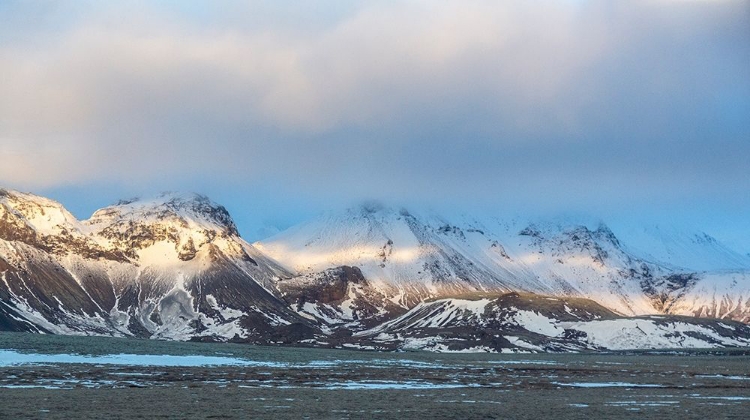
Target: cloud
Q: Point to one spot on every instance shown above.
(549, 104)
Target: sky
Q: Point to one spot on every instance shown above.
(282, 109)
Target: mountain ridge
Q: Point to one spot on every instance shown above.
(393, 247)
(175, 267)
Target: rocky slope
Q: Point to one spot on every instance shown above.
(513, 323)
(173, 267)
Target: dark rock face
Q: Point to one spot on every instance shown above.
(331, 286)
(14, 228)
(329, 290)
(187, 251)
(667, 290)
(564, 309)
(10, 322)
(49, 290)
(5, 266)
(65, 243)
(219, 214)
(530, 230)
(586, 241)
(130, 235)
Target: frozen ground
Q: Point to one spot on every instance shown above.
(93, 377)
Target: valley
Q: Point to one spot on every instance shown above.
(88, 377)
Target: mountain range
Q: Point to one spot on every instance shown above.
(370, 277)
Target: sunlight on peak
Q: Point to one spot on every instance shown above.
(306, 259)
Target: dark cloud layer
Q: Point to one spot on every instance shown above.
(282, 110)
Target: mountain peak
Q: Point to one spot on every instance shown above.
(39, 213)
(184, 208)
(374, 208)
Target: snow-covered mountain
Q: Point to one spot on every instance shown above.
(682, 249)
(409, 257)
(515, 322)
(175, 267)
(172, 267)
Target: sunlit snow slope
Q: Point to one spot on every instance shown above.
(409, 256)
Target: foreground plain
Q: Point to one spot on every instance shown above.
(46, 377)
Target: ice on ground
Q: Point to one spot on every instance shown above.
(394, 385)
(13, 358)
(607, 385)
(732, 377)
(523, 362)
(731, 398)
